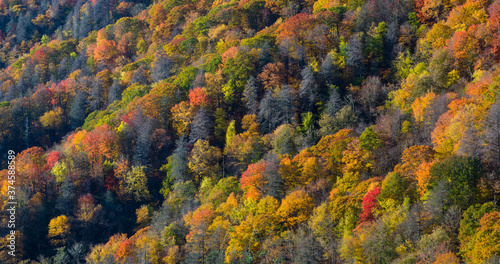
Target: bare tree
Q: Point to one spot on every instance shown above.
(161, 67)
(200, 127)
(492, 148)
(250, 95)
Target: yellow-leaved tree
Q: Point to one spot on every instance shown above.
(295, 209)
(59, 230)
(52, 119)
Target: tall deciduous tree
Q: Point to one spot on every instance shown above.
(354, 53)
(231, 132)
(334, 103)
(486, 239)
(274, 182)
(492, 148)
(204, 161)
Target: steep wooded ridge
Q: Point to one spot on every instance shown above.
(252, 131)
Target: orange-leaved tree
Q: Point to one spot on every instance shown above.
(253, 182)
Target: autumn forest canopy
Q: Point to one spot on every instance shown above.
(251, 131)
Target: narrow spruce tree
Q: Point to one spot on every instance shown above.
(308, 88)
(161, 67)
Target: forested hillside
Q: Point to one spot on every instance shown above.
(251, 131)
